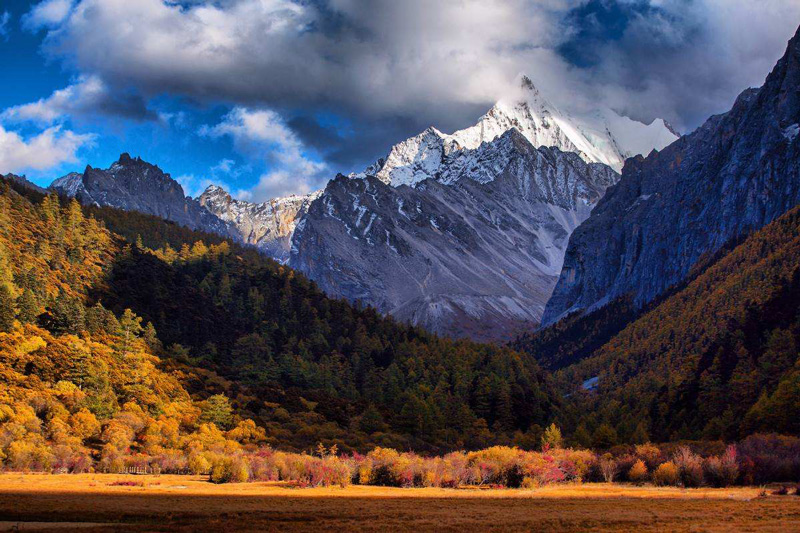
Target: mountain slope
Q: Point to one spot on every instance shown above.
(269, 226)
(135, 185)
(305, 367)
(472, 254)
(734, 174)
(715, 359)
(23, 182)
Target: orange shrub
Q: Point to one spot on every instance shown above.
(666, 474)
(638, 472)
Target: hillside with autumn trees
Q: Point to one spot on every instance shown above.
(165, 326)
(126, 339)
(716, 359)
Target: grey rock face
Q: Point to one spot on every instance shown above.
(269, 226)
(736, 173)
(474, 256)
(135, 185)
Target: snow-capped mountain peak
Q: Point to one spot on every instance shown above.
(600, 137)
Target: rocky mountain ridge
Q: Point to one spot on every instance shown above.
(135, 185)
(24, 182)
(736, 173)
(475, 255)
(269, 226)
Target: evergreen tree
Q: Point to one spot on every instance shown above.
(74, 218)
(217, 410)
(640, 434)
(65, 316)
(552, 437)
(130, 328)
(27, 307)
(371, 420)
(151, 338)
(604, 437)
(7, 311)
(504, 416)
(581, 437)
(779, 355)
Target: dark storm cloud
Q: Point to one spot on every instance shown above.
(390, 68)
(682, 60)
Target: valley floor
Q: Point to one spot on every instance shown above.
(107, 502)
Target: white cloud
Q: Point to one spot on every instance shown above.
(4, 18)
(88, 96)
(387, 57)
(48, 13)
(225, 166)
(255, 132)
(43, 151)
(59, 104)
(262, 134)
(179, 119)
(689, 60)
(275, 184)
(421, 62)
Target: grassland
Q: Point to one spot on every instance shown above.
(94, 502)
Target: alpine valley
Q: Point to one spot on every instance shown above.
(668, 292)
(463, 234)
(586, 307)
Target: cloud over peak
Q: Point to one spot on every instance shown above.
(376, 59)
(342, 80)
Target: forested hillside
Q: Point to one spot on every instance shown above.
(717, 359)
(165, 318)
(187, 329)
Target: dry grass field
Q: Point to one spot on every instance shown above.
(95, 502)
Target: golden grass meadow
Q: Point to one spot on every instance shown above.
(118, 502)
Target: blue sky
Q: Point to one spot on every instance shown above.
(271, 97)
(171, 142)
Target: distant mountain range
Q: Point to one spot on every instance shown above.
(476, 256)
(135, 185)
(464, 233)
(269, 226)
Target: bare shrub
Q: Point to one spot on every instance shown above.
(609, 469)
(690, 467)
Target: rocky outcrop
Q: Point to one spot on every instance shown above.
(736, 173)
